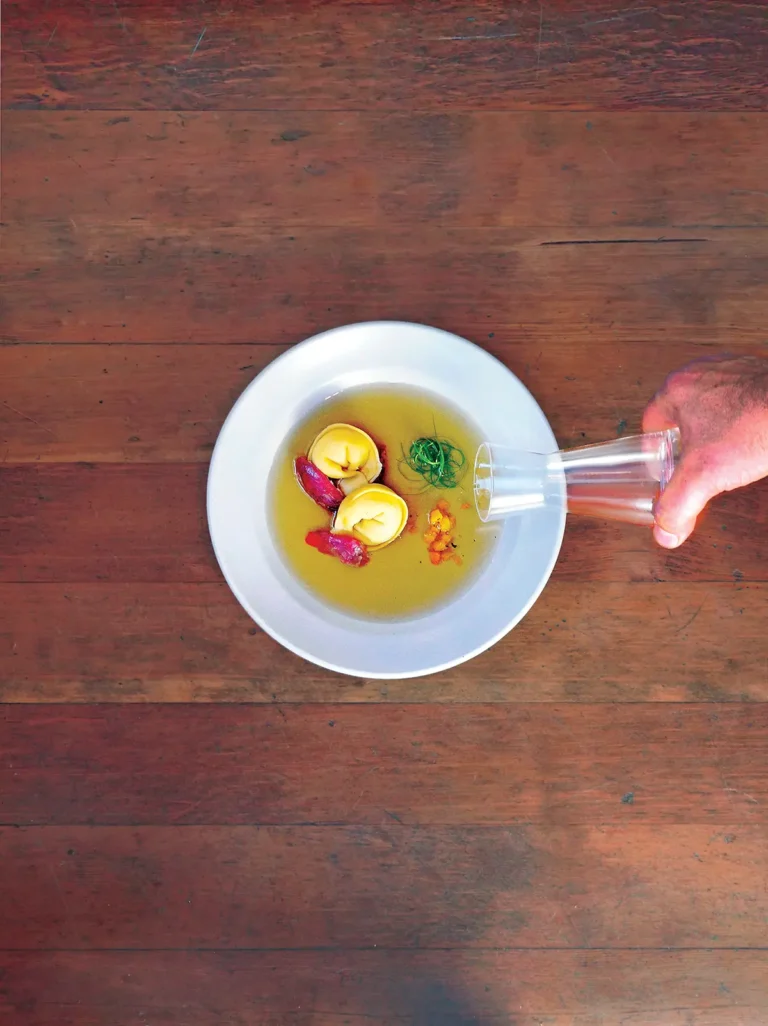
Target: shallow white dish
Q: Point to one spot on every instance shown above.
(376, 353)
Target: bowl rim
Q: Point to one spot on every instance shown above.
(275, 634)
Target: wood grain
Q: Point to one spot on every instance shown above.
(101, 403)
(106, 522)
(603, 55)
(125, 283)
(332, 988)
(478, 169)
(146, 522)
(393, 764)
(539, 887)
(158, 403)
(570, 829)
(193, 643)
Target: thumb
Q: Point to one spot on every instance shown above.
(686, 495)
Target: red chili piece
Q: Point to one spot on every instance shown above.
(343, 546)
(317, 485)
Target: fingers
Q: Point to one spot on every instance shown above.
(691, 488)
(721, 407)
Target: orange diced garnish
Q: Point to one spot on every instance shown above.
(457, 559)
(439, 537)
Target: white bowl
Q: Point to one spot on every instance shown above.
(381, 352)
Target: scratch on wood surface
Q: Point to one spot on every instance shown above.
(689, 621)
(119, 15)
(189, 807)
(498, 35)
(199, 41)
(50, 38)
(619, 16)
(749, 797)
(615, 242)
(24, 416)
(367, 773)
(55, 876)
(538, 46)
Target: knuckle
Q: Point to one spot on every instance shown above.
(700, 462)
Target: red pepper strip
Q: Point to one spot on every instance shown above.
(346, 548)
(317, 485)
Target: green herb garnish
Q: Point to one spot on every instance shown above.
(436, 460)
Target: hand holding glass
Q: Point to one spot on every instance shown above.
(617, 480)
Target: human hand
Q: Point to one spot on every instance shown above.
(721, 408)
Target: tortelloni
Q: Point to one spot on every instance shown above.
(374, 514)
(343, 451)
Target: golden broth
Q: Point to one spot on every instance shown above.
(400, 580)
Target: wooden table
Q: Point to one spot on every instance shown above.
(199, 828)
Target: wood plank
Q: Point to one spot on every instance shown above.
(246, 887)
(146, 522)
(119, 403)
(395, 764)
(63, 522)
(360, 168)
(156, 403)
(333, 988)
(606, 54)
(192, 643)
(471, 860)
(125, 283)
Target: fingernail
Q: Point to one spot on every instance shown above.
(665, 539)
